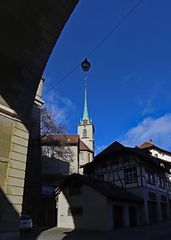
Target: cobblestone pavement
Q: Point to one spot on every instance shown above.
(153, 232)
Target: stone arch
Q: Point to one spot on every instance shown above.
(29, 31)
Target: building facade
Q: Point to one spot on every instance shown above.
(137, 171)
(121, 187)
(87, 203)
(75, 154)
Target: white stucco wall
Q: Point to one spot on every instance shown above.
(89, 140)
(95, 214)
(161, 155)
(74, 160)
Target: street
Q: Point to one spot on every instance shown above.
(152, 232)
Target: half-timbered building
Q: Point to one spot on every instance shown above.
(139, 172)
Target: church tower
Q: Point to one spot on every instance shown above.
(85, 128)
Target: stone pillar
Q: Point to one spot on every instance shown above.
(126, 216)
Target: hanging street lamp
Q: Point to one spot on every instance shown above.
(85, 65)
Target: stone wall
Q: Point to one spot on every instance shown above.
(13, 155)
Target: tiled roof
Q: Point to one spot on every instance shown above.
(83, 147)
(72, 139)
(66, 140)
(107, 189)
(146, 145)
(151, 145)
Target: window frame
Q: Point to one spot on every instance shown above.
(150, 178)
(75, 211)
(130, 175)
(84, 133)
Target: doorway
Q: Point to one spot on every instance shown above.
(132, 216)
(117, 217)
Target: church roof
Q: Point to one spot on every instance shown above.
(71, 140)
(83, 147)
(85, 112)
(107, 189)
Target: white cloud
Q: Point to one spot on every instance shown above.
(60, 106)
(157, 129)
(148, 107)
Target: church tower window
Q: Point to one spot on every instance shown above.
(84, 133)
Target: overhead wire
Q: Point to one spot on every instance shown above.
(117, 25)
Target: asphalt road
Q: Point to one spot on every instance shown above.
(152, 232)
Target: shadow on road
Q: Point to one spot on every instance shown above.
(152, 232)
(33, 234)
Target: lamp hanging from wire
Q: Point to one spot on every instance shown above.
(85, 65)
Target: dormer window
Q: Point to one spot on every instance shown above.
(84, 133)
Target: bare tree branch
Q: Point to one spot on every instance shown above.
(52, 135)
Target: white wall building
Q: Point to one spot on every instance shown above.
(87, 203)
(156, 151)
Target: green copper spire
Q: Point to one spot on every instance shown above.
(85, 113)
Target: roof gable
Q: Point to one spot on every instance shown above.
(107, 189)
(115, 146)
(116, 149)
(83, 147)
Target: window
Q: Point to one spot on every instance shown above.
(75, 211)
(84, 133)
(150, 178)
(81, 156)
(161, 182)
(88, 157)
(74, 190)
(169, 186)
(130, 175)
(67, 154)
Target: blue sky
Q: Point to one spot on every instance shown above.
(129, 81)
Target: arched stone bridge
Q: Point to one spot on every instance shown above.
(29, 30)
